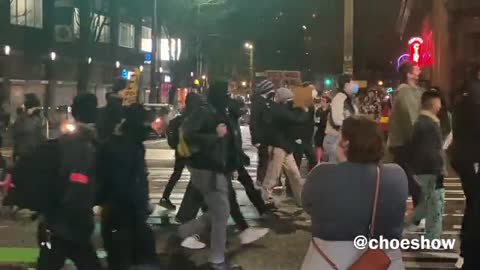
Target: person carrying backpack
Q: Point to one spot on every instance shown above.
(67, 223)
(192, 101)
(342, 107)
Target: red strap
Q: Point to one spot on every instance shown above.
(79, 178)
(375, 203)
(325, 257)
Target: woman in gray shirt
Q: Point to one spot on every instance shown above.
(339, 198)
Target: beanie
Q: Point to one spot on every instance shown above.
(264, 87)
(283, 94)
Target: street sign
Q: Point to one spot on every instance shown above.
(148, 58)
(130, 95)
(125, 73)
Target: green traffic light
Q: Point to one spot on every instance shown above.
(328, 82)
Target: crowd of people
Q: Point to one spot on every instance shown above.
(349, 190)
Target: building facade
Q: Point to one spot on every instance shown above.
(55, 48)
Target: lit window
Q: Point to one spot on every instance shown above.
(146, 39)
(100, 26)
(27, 12)
(127, 35)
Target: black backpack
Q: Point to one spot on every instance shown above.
(173, 131)
(36, 179)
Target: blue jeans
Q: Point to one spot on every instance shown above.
(330, 148)
(431, 206)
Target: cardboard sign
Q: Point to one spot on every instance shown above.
(280, 78)
(302, 96)
(131, 93)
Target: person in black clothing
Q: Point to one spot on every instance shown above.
(466, 160)
(264, 94)
(321, 119)
(127, 238)
(66, 228)
(110, 115)
(304, 142)
(192, 101)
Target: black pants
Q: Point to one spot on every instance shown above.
(470, 234)
(263, 158)
(177, 173)
(306, 149)
(53, 256)
(128, 240)
(400, 156)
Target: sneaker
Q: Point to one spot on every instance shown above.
(421, 224)
(251, 235)
(193, 242)
(166, 203)
(459, 263)
(223, 266)
(412, 228)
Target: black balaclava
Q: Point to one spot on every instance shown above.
(218, 96)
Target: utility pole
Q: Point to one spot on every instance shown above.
(153, 67)
(348, 36)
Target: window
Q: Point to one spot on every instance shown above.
(127, 35)
(100, 26)
(27, 12)
(146, 39)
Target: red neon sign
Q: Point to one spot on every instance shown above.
(416, 50)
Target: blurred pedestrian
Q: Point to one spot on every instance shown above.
(358, 184)
(29, 127)
(110, 116)
(342, 107)
(406, 108)
(371, 105)
(128, 239)
(427, 163)
(321, 119)
(262, 100)
(466, 162)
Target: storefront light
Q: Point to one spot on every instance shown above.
(7, 50)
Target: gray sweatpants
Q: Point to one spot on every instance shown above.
(214, 189)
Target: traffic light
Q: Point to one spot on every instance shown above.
(328, 82)
(389, 90)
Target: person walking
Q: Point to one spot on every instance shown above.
(369, 199)
(262, 100)
(342, 107)
(215, 154)
(28, 129)
(426, 161)
(123, 195)
(65, 229)
(321, 119)
(406, 108)
(466, 162)
(281, 144)
(192, 101)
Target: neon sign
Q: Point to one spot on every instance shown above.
(416, 50)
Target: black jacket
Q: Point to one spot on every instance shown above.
(280, 130)
(321, 126)
(425, 146)
(123, 174)
(305, 130)
(72, 217)
(257, 121)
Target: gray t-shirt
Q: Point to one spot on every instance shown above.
(339, 198)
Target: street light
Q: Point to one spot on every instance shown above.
(249, 46)
(7, 50)
(244, 83)
(304, 27)
(117, 64)
(53, 56)
(191, 74)
(89, 60)
(380, 83)
(204, 77)
(160, 69)
(141, 68)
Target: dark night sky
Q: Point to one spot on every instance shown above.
(280, 41)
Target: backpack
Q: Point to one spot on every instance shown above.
(173, 132)
(35, 179)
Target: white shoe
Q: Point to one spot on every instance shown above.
(459, 263)
(412, 228)
(422, 224)
(193, 242)
(251, 235)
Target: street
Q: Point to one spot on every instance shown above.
(282, 249)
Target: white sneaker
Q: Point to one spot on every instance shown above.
(251, 235)
(412, 228)
(422, 224)
(459, 263)
(193, 242)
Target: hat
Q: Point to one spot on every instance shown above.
(283, 94)
(264, 87)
